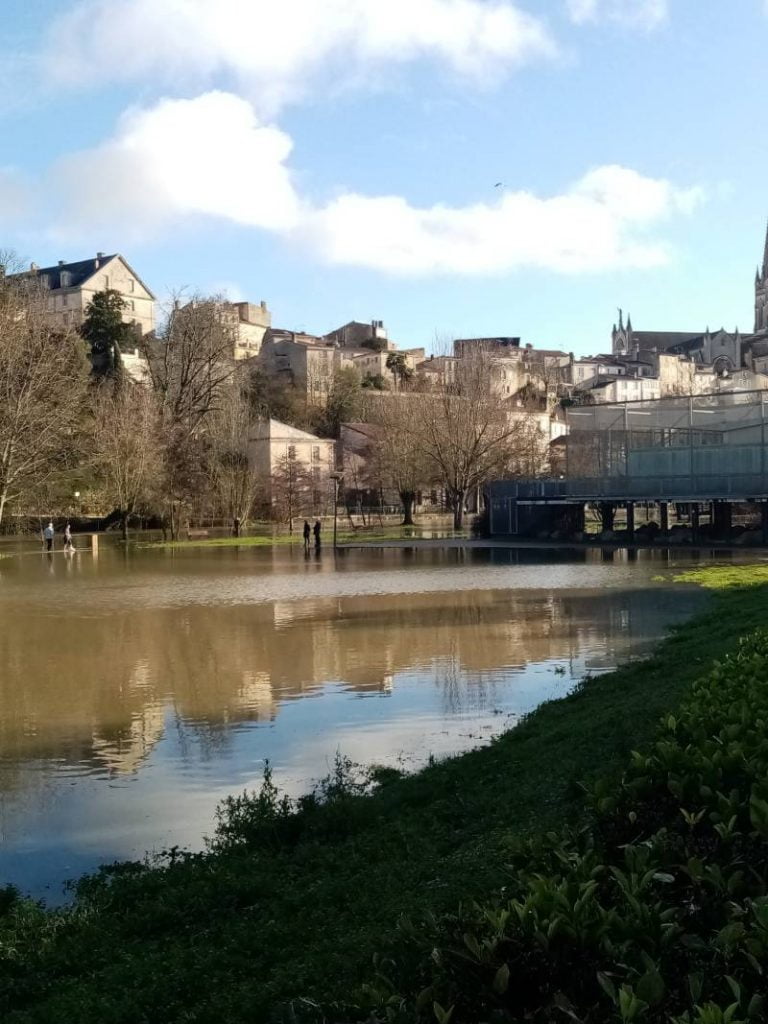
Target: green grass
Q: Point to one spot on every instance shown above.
(300, 910)
(721, 577)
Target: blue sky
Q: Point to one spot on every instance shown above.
(339, 159)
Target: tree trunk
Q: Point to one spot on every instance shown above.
(124, 526)
(407, 498)
(458, 509)
(174, 523)
(3, 499)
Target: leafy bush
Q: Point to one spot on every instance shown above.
(655, 910)
(270, 818)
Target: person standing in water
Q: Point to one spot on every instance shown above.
(316, 531)
(68, 545)
(307, 532)
(48, 535)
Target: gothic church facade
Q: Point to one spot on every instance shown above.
(725, 351)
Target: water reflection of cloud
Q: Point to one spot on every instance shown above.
(156, 712)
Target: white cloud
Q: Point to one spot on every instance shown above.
(597, 224)
(644, 14)
(206, 156)
(211, 157)
(276, 52)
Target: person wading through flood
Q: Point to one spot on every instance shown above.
(316, 531)
(68, 545)
(48, 534)
(307, 532)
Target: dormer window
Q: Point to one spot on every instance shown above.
(65, 279)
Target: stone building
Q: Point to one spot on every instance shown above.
(245, 323)
(249, 322)
(303, 361)
(273, 445)
(357, 334)
(71, 286)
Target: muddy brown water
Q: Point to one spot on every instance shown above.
(138, 689)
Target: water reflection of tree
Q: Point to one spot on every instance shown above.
(100, 690)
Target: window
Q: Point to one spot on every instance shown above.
(131, 284)
(106, 281)
(65, 300)
(316, 453)
(291, 451)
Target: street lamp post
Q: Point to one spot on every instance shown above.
(336, 477)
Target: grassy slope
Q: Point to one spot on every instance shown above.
(229, 937)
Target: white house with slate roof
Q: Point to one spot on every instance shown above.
(71, 286)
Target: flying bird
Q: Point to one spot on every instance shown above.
(499, 184)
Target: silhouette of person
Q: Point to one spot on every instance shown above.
(316, 531)
(307, 532)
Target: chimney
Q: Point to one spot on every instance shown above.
(99, 258)
(62, 263)
(33, 267)
(263, 304)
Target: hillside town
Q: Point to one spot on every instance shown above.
(351, 417)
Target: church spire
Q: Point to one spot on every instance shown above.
(629, 324)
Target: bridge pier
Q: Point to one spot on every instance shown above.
(722, 519)
(607, 514)
(695, 522)
(630, 520)
(664, 516)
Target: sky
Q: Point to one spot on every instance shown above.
(455, 168)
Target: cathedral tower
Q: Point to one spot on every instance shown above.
(761, 293)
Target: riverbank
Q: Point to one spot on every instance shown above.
(296, 905)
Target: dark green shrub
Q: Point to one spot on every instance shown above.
(656, 910)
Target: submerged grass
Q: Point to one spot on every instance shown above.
(291, 903)
(281, 539)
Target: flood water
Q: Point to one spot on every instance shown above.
(138, 689)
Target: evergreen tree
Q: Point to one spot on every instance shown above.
(104, 330)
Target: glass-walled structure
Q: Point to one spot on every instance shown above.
(708, 445)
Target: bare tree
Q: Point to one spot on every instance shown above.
(464, 429)
(43, 378)
(127, 449)
(291, 488)
(398, 459)
(233, 477)
(191, 361)
(190, 365)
